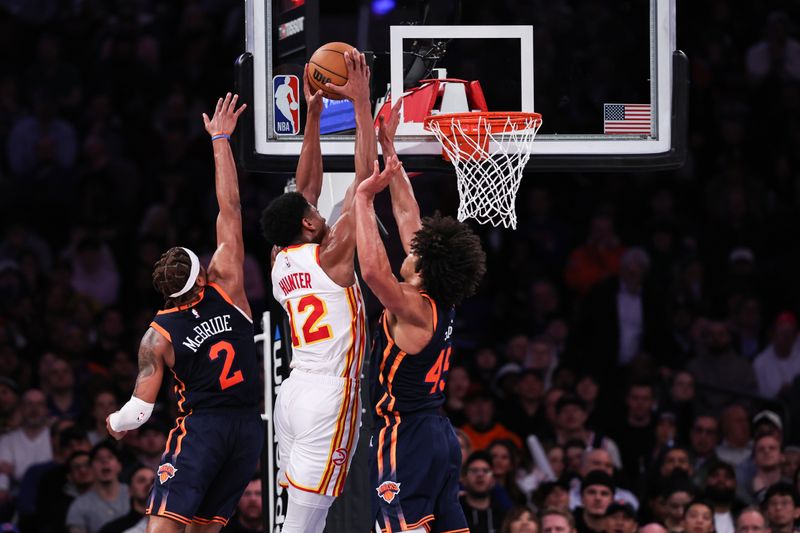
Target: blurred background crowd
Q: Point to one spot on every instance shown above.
(634, 345)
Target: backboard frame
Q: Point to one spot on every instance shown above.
(665, 149)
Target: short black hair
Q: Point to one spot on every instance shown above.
(103, 445)
(699, 501)
(781, 488)
(480, 455)
(282, 219)
(450, 259)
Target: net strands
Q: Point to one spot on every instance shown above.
(489, 153)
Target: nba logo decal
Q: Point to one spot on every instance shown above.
(388, 490)
(165, 472)
(287, 105)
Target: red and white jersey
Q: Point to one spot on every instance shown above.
(328, 322)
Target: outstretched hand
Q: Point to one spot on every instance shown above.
(387, 129)
(313, 101)
(225, 115)
(379, 180)
(357, 86)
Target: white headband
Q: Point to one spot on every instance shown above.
(193, 272)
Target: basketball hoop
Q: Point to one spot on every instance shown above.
(489, 152)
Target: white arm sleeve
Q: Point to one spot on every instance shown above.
(132, 415)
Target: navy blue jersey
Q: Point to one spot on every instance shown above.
(215, 355)
(412, 383)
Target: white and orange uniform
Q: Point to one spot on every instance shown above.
(318, 409)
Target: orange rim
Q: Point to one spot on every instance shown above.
(471, 134)
(470, 121)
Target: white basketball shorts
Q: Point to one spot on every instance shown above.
(317, 422)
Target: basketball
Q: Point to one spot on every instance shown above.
(327, 65)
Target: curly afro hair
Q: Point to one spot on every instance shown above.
(282, 219)
(451, 259)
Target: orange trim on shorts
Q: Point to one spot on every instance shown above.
(164, 333)
(205, 521)
(316, 256)
(337, 488)
(184, 306)
(421, 523)
(152, 501)
(393, 449)
(222, 293)
(341, 423)
(353, 333)
(175, 516)
(301, 487)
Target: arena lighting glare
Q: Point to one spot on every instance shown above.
(381, 7)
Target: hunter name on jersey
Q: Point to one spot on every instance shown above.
(297, 280)
(206, 329)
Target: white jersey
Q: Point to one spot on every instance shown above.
(328, 322)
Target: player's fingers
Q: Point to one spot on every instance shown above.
(227, 104)
(376, 169)
(206, 120)
(334, 88)
(232, 106)
(219, 107)
(240, 111)
(363, 59)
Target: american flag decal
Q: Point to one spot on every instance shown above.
(627, 119)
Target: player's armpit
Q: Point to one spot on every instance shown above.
(337, 251)
(153, 350)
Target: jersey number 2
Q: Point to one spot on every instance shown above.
(313, 331)
(441, 366)
(226, 379)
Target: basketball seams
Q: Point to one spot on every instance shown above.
(320, 67)
(325, 63)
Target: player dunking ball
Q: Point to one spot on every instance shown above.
(204, 336)
(416, 456)
(318, 411)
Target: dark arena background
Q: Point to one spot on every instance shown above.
(642, 323)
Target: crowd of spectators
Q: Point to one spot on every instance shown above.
(632, 357)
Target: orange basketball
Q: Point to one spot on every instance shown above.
(327, 66)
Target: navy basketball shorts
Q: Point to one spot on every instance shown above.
(210, 457)
(415, 463)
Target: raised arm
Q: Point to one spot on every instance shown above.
(309, 168)
(357, 90)
(226, 267)
(404, 204)
(400, 299)
(153, 350)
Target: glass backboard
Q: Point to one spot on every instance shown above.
(605, 75)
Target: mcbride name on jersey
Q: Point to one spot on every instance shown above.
(327, 321)
(207, 329)
(215, 355)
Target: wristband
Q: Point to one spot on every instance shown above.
(221, 135)
(132, 415)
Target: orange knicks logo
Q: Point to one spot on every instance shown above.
(388, 490)
(165, 472)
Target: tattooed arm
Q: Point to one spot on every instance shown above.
(154, 352)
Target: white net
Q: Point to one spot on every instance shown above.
(489, 160)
